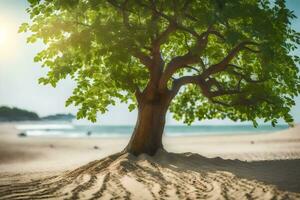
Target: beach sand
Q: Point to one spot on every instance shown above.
(262, 166)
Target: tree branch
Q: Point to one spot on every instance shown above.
(247, 79)
(213, 81)
(189, 58)
(204, 85)
(178, 83)
(221, 66)
(224, 92)
(143, 58)
(163, 36)
(216, 33)
(125, 14)
(174, 64)
(169, 19)
(242, 102)
(193, 68)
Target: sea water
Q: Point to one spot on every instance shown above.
(73, 130)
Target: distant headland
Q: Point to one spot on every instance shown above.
(8, 114)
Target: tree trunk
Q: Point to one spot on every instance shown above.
(148, 131)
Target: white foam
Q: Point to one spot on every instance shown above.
(44, 126)
(73, 134)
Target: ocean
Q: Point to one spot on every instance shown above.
(75, 130)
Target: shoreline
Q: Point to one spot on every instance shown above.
(69, 130)
(240, 163)
(23, 154)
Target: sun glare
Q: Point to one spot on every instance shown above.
(3, 36)
(8, 41)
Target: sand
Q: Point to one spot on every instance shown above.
(262, 166)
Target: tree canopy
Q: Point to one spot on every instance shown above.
(220, 58)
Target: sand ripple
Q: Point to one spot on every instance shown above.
(165, 176)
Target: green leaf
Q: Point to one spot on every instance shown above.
(100, 49)
(131, 107)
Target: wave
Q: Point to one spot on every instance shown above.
(73, 134)
(45, 127)
(71, 130)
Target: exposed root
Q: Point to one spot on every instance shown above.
(165, 176)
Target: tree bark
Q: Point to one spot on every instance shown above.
(148, 131)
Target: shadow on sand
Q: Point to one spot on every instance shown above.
(164, 176)
(285, 174)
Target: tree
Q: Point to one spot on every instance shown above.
(15, 114)
(214, 59)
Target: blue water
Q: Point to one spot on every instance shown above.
(71, 130)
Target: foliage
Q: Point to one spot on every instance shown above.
(238, 52)
(59, 117)
(16, 114)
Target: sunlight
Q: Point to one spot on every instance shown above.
(3, 36)
(8, 41)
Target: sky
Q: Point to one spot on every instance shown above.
(19, 74)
